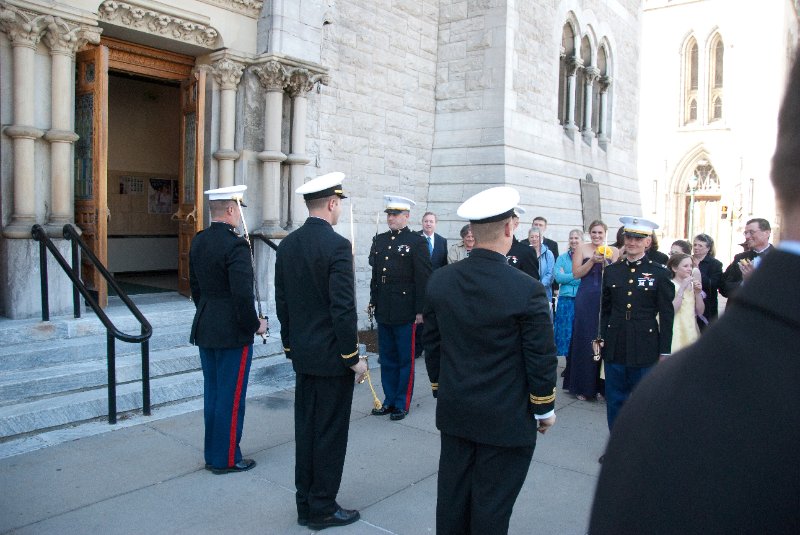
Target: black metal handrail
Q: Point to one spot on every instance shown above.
(112, 333)
(266, 240)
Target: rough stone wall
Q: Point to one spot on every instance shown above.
(468, 151)
(541, 159)
(375, 119)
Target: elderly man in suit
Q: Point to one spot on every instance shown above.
(221, 280)
(315, 302)
(708, 442)
(491, 360)
(757, 232)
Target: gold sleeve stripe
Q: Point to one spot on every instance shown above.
(353, 354)
(435, 386)
(286, 349)
(541, 400)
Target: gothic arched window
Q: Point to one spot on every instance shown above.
(715, 62)
(567, 56)
(580, 82)
(691, 80)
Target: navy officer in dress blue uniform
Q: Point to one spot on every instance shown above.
(221, 280)
(635, 290)
(401, 266)
(491, 359)
(316, 305)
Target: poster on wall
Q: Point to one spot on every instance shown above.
(160, 198)
(131, 185)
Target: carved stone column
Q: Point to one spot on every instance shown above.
(602, 126)
(227, 73)
(299, 82)
(573, 64)
(64, 39)
(272, 76)
(590, 75)
(24, 31)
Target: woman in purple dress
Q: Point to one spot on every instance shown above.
(583, 375)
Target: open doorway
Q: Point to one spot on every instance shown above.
(144, 118)
(138, 161)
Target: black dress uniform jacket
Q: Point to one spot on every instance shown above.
(489, 350)
(225, 316)
(401, 266)
(523, 257)
(314, 265)
(732, 278)
(633, 293)
(708, 441)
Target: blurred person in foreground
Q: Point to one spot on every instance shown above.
(700, 449)
(491, 360)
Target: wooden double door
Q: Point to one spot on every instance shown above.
(91, 150)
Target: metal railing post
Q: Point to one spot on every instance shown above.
(44, 282)
(112, 380)
(145, 376)
(76, 270)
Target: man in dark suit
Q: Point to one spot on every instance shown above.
(221, 280)
(437, 246)
(315, 303)
(636, 314)
(756, 235)
(541, 223)
(401, 266)
(491, 359)
(520, 255)
(708, 442)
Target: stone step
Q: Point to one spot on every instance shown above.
(168, 311)
(28, 384)
(79, 406)
(73, 350)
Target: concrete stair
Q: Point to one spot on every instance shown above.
(54, 374)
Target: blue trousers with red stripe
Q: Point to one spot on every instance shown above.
(225, 373)
(396, 346)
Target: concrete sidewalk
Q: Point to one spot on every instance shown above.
(147, 475)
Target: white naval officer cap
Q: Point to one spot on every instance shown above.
(228, 193)
(396, 204)
(637, 227)
(519, 211)
(323, 186)
(493, 204)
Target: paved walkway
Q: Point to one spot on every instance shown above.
(146, 474)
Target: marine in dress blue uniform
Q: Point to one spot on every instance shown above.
(635, 290)
(491, 360)
(401, 266)
(315, 303)
(221, 281)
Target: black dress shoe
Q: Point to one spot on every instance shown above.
(242, 466)
(383, 411)
(340, 517)
(398, 414)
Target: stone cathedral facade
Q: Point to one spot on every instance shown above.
(117, 114)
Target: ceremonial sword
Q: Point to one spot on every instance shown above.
(253, 264)
(375, 401)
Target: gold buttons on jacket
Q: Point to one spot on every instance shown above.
(630, 281)
(633, 270)
(393, 237)
(630, 293)
(628, 305)
(384, 269)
